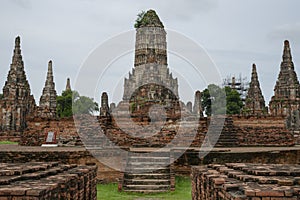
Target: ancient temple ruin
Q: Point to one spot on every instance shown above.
(255, 103)
(286, 92)
(17, 102)
(47, 105)
(150, 79)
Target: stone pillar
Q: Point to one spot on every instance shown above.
(197, 104)
(104, 109)
(189, 106)
(68, 85)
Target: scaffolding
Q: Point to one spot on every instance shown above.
(240, 84)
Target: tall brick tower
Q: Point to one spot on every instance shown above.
(17, 102)
(150, 65)
(47, 106)
(286, 92)
(255, 103)
(150, 79)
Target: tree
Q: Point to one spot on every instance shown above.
(234, 102)
(1, 96)
(217, 100)
(70, 102)
(213, 100)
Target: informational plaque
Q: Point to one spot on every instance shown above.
(50, 137)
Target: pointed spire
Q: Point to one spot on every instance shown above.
(17, 98)
(287, 89)
(287, 56)
(255, 103)
(17, 57)
(254, 77)
(47, 106)
(50, 72)
(68, 85)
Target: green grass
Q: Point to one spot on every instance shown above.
(110, 192)
(8, 142)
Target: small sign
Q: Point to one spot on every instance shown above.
(50, 137)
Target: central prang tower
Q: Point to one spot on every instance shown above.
(150, 79)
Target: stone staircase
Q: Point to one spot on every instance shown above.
(228, 137)
(148, 172)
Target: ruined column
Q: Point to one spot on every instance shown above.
(197, 109)
(68, 85)
(189, 106)
(104, 109)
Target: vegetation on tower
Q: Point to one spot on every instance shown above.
(148, 19)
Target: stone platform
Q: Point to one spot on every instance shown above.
(47, 180)
(238, 181)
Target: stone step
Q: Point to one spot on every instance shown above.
(157, 176)
(147, 182)
(148, 159)
(149, 170)
(150, 163)
(147, 187)
(148, 191)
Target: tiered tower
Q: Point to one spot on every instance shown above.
(47, 106)
(150, 79)
(255, 103)
(17, 102)
(286, 92)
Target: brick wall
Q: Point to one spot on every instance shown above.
(245, 131)
(40, 180)
(245, 181)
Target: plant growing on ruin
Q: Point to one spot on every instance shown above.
(138, 21)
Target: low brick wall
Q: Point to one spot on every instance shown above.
(237, 131)
(35, 181)
(66, 132)
(246, 181)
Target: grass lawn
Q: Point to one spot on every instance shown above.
(7, 142)
(110, 192)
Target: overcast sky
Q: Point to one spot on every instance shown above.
(235, 34)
